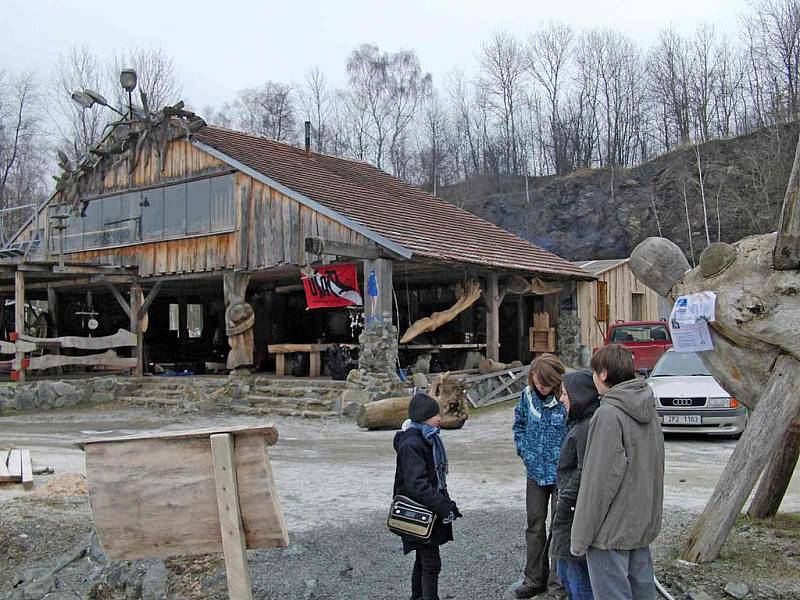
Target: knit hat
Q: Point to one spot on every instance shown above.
(422, 407)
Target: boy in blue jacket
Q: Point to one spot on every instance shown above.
(539, 432)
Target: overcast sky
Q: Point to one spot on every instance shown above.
(222, 46)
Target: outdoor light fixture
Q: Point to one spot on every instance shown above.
(83, 99)
(127, 79)
(145, 202)
(97, 97)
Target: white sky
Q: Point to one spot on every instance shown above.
(221, 46)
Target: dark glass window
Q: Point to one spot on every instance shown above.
(175, 210)
(222, 213)
(92, 224)
(152, 214)
(198, 206)
(113, 223)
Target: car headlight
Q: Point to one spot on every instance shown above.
(723, 402)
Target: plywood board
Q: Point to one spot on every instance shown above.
(27, 469)
(4, 474)
(157, 497)
(15, 465)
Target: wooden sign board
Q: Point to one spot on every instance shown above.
(157, 495)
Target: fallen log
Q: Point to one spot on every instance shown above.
(390, 413)
(487, 365)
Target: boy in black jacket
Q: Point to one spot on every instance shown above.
(421, 475)
(580, 397)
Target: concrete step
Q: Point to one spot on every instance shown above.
(298, 392)
(151, 400)
(299, 382)
(283, 412)
(299, 402)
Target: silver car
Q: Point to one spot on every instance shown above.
(689, 400)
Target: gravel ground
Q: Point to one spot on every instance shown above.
(363, 561)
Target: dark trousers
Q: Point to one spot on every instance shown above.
(425, 576)
(621, 574)
(537, 563)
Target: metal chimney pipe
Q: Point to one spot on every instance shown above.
(308, 138)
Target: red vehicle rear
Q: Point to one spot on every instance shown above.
(647, 340)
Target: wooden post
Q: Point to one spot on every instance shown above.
(776, 477)
(230, 517)
(19, 318)
(778, 406)
(52, 309)
(378, 279)
(522, 329)
(136, 327)
(492, 301)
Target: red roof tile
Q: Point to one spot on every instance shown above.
(427, 225)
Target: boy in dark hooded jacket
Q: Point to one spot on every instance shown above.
(580, 396)
(421, 475)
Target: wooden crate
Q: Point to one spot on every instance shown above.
(542, 341)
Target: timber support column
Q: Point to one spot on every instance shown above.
(778, 405)
(492, 300)
(19, 319)
(136, 327)
(239, 321)
(378, 341)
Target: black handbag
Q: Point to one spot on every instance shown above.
(410, 519)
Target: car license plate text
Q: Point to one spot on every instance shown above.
(683, 420)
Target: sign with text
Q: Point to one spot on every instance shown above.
(330, 286)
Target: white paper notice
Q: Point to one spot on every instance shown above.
(689, 321)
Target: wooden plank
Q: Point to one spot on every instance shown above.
(157, 497)
(266, 430)
(19, 346)
(15, 465)
(27, 469)
(106, 359)
(283, 348)
(122, 338)
(151, 295)
(778, 405)
(120, 299)
(776, 478)
(492, 296)
(4, 474)
(19, 317)
(230, 518)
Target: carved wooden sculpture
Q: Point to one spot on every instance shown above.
(756, 356)
(239, 320)
(466, 298)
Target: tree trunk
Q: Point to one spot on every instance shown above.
(776, 478)
(390, 413)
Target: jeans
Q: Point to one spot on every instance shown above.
(538, 498)
(425, 576)
(574, 574)
(621, 574)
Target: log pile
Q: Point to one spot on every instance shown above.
(390, 413)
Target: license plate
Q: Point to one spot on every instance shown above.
(683, 420)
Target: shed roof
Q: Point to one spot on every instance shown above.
(397, 212)
(596, 267)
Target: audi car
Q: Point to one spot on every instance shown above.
(689, 400)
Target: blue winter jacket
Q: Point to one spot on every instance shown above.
(539, 431)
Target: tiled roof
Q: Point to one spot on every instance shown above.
(427, 225)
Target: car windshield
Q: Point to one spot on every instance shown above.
(681, 364)
(639, 333)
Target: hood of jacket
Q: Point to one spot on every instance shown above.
(406, 434)
(583, 396)
(634, 398)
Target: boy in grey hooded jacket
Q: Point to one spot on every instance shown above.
(618, 512)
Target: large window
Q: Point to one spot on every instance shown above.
(172, 211)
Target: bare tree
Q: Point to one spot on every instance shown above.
(267, 110)
(157, 76)
(318, 102)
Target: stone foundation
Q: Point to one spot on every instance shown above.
(50, 394)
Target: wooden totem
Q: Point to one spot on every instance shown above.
(756, 357)
(239, 320)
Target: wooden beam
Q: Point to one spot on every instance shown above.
(151, 295)
(492, 299)
(136, 327)
(27, 469)
(52, 309)
(776, 477)
(117, 340)
(244, 225)
(779, 404)
(230, 517)
(267, 431)
(321, 247)
(19, 317)
(106, 359)
(120, 299)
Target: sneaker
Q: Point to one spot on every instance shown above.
(526, 590)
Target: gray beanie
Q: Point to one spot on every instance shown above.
(422, 407)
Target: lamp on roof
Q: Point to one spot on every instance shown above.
(88, 98)
(128, 79)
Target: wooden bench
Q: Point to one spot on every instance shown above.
(314, 352)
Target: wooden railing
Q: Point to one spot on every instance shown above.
(23, 346)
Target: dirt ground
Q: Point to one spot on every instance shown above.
(334, 482)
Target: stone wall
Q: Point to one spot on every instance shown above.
(49, 394)
(570, 348)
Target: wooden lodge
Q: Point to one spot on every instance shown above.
(212, 230)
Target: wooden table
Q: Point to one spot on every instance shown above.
(314, 352)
